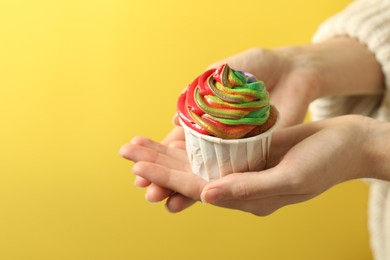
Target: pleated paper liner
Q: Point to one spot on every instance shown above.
(212, 157)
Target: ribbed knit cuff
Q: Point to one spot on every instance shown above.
(369, 23)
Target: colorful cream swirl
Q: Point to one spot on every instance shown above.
(224, 103)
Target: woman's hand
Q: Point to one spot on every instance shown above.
(165, 172)
(305, 160)
(289, 74)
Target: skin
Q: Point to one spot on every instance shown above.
(305, 159)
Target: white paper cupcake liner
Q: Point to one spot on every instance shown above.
(211, 157)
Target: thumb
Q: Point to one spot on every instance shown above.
(246, 186)
(175, 120)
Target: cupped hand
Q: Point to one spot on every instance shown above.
(165, 173)
(305, 160)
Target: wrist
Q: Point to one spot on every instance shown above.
(344, 67)
(376, 147)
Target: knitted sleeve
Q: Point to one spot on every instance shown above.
(369, 22)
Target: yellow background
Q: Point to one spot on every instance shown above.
(80, 78)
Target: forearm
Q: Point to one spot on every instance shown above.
(345, 67)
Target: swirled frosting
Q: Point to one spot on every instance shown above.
(224, 103)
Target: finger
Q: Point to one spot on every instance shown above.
(138, 153)
(156, 193)
(177, 133)
(182, 182)
(246, 186)
(178, 144)
(161, 148)
(177, 202)
(141, 182)
(286, 138)
(175, 120)
(296, 134)
(292, 112)
(219, 63)
(279, 180)
(134, 152)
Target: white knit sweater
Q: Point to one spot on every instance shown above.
(369, 22)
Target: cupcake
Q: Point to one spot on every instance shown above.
(228, 122)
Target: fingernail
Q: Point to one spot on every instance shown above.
(139, 186)
(122, 151)
(137, 183)
(203, 197)
(135, 169)
(210, 196)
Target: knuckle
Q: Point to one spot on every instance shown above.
(139, 140)
(178, 144)
(296, 182)
(241, 191)
(301, 185)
